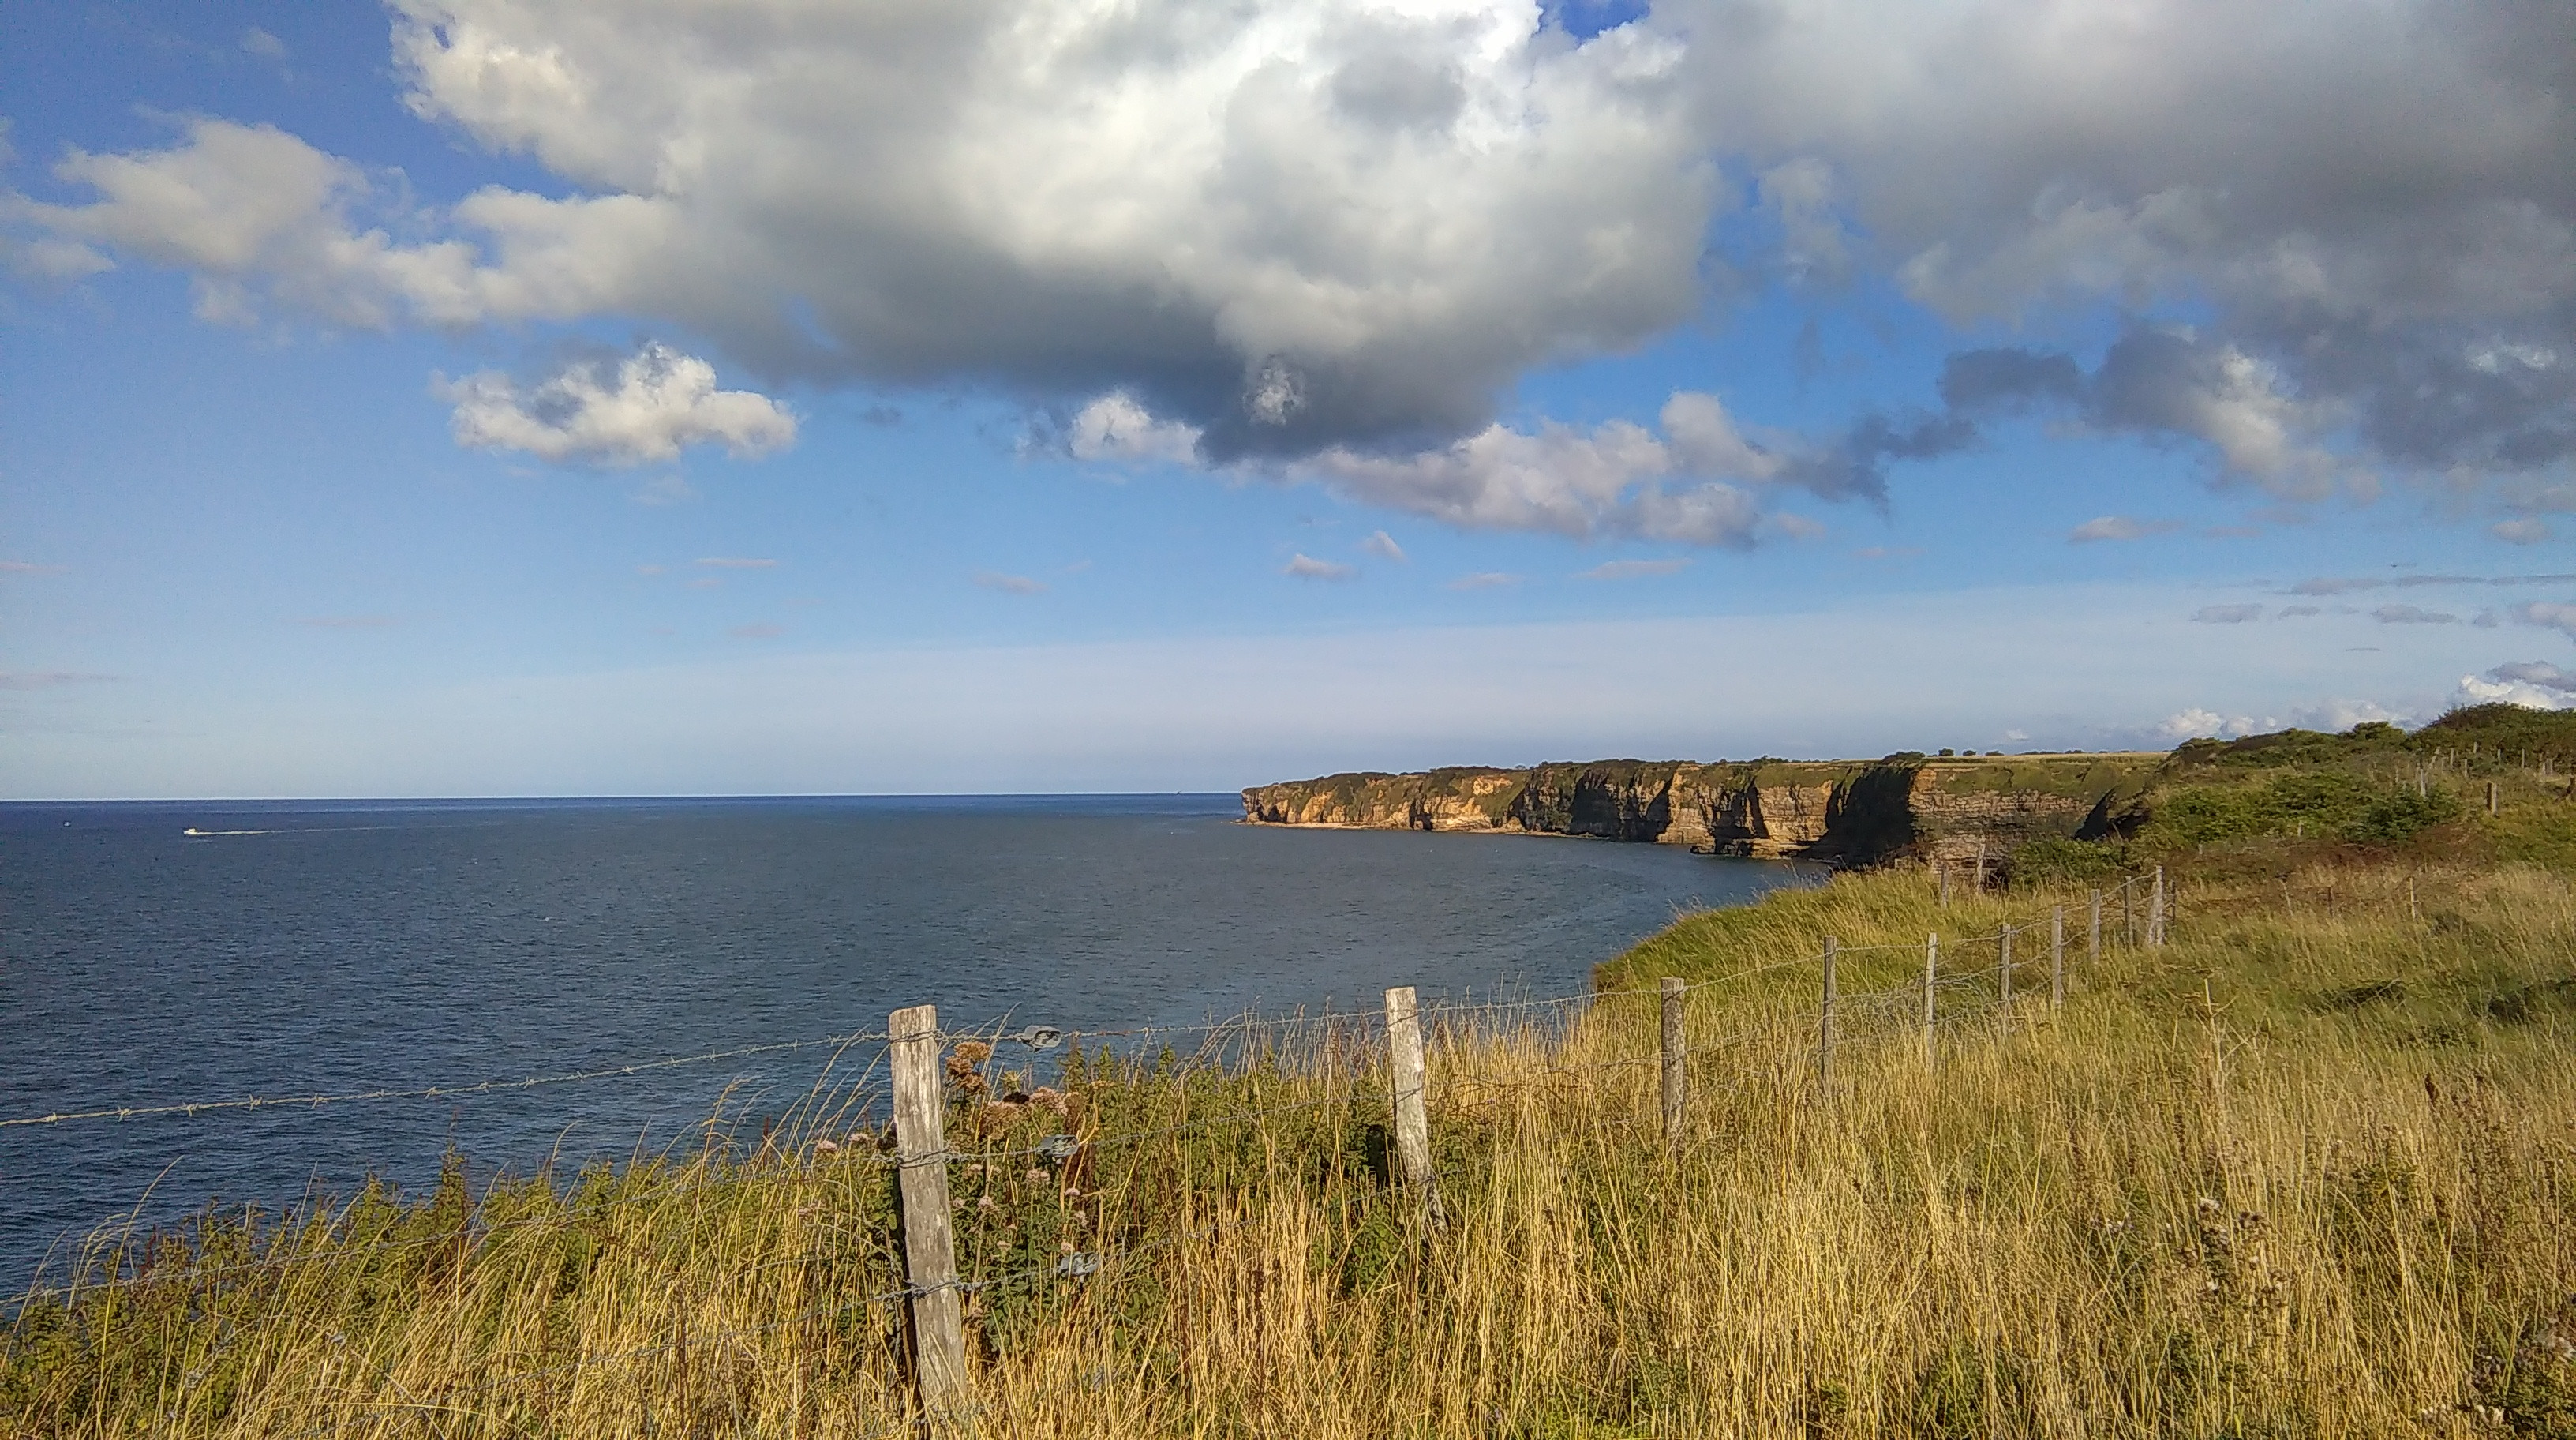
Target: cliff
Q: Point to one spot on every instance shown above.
(1851, 813)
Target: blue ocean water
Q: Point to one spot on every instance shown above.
(310, 947)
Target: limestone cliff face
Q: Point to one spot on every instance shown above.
(1852, 813)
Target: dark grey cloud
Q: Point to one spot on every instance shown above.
(1288, 229)
(2537, 672)
(2368, 210)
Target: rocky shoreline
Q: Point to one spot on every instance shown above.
(1905, 808)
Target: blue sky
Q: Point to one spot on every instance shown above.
(486, 398)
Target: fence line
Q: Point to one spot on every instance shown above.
(921, 1101)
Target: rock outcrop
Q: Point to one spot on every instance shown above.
(1851, 813)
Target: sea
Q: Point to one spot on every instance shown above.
(159, 954)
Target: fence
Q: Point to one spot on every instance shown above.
(926, 1070)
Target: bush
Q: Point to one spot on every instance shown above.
(2053, 860)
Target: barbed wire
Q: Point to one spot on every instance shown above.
(433, 1092)
(1036, 1036)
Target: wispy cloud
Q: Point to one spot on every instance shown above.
(1009, 584)
(762, 630)
(1306, 567)
(2347, 584)
(1485, 580)
(2119, 527)
(348, 622)
(2292, 612)
(2412, 615)
(255, 41)
(2561, 618)
(1632, 569)
(1887, 552)
(2529, 530)
(2227, 614)
(1383, 545)
(48, 679)
(735, 562)
(670, 488)
(30, 567)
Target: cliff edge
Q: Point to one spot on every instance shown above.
(1852, 813)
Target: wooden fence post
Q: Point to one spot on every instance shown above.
(1931, 978)
(929, 1247)
(1981, 866)
(2128, 914)
(1942, 872)
(1676, 1068)
(1825, 1031)
(2156, 910)
(2057, 958)
(1412, 1123)
(2003, 977)
(2093, 936)
(2492, 810)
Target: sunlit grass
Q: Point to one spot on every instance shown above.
(2309, 1169)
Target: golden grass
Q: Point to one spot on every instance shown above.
(2310, 1169)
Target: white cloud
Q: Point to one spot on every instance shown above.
(2198, 723)
(1383, 545)
(1009, 584)
(1293, 228)
(1303, 566)
(255, 41)
(1485, 580)
(1617, 479)
(2535, 683)
(2527, 530)
(1116, 428)
(2474, 691)
(1284, 224)
(2227, 614)
(655, 404)
(2119, 527)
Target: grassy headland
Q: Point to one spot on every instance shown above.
(2307, 1169)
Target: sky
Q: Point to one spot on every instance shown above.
(524, 397)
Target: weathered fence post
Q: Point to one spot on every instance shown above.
(1825, 1031)
(1676, 1066)
(1931, 979)
(1412, 1123)
(2492, 810)
(1981, 866)
(2156, 910)
(2128, 914)
(1941, 872)
(2093, 935)
(2057, 958)
(2003, 977)
(929, 1247)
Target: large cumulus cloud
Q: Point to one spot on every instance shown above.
(1323, 236)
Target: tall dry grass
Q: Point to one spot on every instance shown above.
(2310, 1169)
